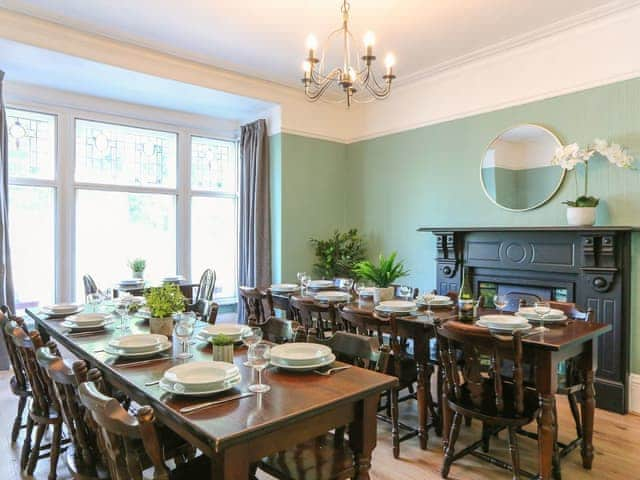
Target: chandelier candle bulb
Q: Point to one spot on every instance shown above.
(312, 45)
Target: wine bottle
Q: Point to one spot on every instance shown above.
(465, 298)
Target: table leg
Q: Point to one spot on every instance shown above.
(546, 383)
(423, 406)
(588, 364)
(231, 464)
(363, 435)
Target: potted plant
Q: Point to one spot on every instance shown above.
(163, 302)
(137, 266)
(222, 346)
(382, 275)
(582, 211)
(337, 256)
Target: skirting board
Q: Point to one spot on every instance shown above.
(634, 388)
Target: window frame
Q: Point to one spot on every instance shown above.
(65, 185)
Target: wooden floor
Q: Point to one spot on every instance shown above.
(616, 441)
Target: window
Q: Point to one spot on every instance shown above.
(32, 198)
(214, 225)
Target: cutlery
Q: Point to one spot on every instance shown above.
(328, 373)
(84, 334)
(151, 384)
(200, 406)
(142, 362)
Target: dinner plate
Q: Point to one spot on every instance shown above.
(172, 278)
(201, 373)
(320, 284)
(434, 300)
(284, 287)
(553, 316)
(396, 306)
(61, 310)
(299, 353)
(503, 321)
(139, 342)
(86, 328)
(332, 296)
(505, 329)
(131, 281)
(163, 347)
(232, 330)
(179, 389)
(303, 368)
(87, 319)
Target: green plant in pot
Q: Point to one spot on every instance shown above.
(337, 256)
(222, 347)
(163, 302)
(137, 266)
(382, 275)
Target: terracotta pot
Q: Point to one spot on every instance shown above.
(382, 294)
(223, 353)
(162, 326)
(578, 216)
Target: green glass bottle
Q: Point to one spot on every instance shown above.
(465, 298)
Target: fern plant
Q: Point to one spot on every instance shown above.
(164, 301)
(385, 273)
(338, 255)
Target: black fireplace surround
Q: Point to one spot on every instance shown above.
(587, 265)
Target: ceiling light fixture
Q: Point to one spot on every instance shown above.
(355, 77)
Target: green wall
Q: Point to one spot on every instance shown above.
(429, 176)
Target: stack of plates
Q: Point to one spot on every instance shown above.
(138, 345)
(367, 292)
(332, 296)
(87, 321)
(504, 323)
(131, 282)
(435, 300)
(61, 309)
(172, 279)
(318, 284)
(301, 356)
(554, 316)
(234, 331)
(284, 287)
(397, 306)
(200, 378)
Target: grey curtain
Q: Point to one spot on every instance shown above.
(6, 281)
(255, 219)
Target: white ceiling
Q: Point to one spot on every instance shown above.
(265, 38)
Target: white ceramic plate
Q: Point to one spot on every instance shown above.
(553, 316)
(172, 278)
(61, 310)
(303, 368)
(232, 330)
(87, 319)
(179, 389)
(131, 281)
(434, 300)
(505, 329)
(201, 373)
(332, 296)
(320, 283)
(139, 342)
(86, 328)
(163, 347)
(503, 321)
(299, 353)
(284, 287)
(401, 306)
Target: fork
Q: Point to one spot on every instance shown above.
(327, 373)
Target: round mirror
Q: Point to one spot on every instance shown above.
(516, 170)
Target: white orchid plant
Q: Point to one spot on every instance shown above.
(569, 156)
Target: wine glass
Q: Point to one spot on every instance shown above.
(184, 330)
(259, 361)
(304, 282)
(93, 300)
(405, 291)
(251, 337)
(300, 276)
(500, 301)
(122, 307)
(541, 309)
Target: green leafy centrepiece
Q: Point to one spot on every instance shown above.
(164, 301)
(338, 255)
(221, 340)
(385, 273)
(138, 265)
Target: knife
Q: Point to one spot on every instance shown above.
(200, 406)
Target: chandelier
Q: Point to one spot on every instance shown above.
(355, 77)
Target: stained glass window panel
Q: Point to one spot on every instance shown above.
(122, 155)
(32, 144)
(213, 165)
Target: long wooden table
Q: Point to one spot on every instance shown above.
(299, 407)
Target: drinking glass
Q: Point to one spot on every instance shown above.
(541, 309)
(347, 284)
(93, 300)
(304, 282)
(184, 330)
(251, 337)
(300, 275)
(122, 308)
(405, 292)
(259, 361)
(500, 301)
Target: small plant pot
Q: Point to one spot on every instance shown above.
(382, 294)
(162, 326)
(223, 353)
(137, 274)
(581, 216)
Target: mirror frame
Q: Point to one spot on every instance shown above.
(542, 202)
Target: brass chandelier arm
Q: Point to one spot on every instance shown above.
(315, 95)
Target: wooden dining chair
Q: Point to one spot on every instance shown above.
(364, 324)
(132, 441)
(471, 391)
(18, 383)
(205, 310)
(207, 286)
(89, 285)
(315, 320)
(258, 307)
(44, 413)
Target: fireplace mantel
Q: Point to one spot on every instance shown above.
(590, 265)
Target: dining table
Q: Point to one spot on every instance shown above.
(186, 287)
(236, 434)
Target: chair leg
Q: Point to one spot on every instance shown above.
(515, 453)
(557, 472)
(453, 437)
(56, 439)
(395, 429)
(486, 437)
(439, 389)
(17, 423)
(35, 450)
(573, 404)
(26, 445)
